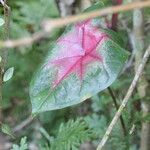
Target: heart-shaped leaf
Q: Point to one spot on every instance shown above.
(83, 62)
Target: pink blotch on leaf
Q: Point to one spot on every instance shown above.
(77, 49)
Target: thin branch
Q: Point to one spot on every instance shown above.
(117, 106)
(24, 41)
(3, 2)
(50, 24)
(4, 51)
(7, 12)
(23, 124)
(126, 99)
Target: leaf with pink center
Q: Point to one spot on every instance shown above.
(83, 62)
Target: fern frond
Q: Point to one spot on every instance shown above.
(71, 135)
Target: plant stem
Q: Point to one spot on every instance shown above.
(117, 106)
(115, 15)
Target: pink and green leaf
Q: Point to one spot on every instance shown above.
(83, 62)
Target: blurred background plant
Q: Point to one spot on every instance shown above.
(77, 127)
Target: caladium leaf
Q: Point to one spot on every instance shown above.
(83, 61)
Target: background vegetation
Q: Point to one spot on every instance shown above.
(78, 127)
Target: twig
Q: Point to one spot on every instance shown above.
(3, 2)
(23, 124)
(24, 41)
(50, 24)
(126, 98)
(4, 51)
(117, 106)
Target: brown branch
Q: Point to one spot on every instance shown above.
(50, 24)
(126, 99)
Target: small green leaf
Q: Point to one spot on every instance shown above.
(1, 21)
(7, 130)
(8, 74)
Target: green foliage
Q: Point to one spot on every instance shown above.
(26, 59)
(29, 11)
(71, 135)
(95, 6)
(7, 130)
(97, 124)
(23, 145)
(26, 17)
